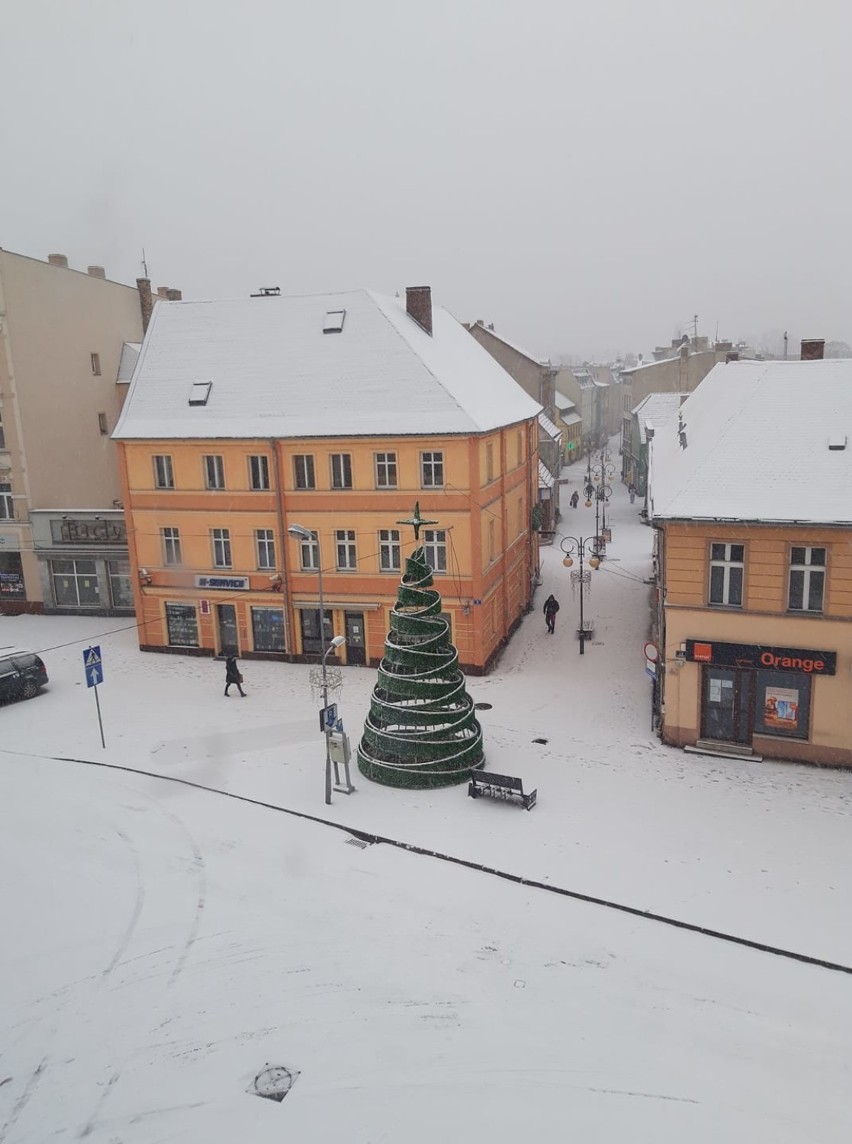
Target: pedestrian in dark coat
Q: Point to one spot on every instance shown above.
(632, 491)
(575, 499)
(551, 607)
(232, 675)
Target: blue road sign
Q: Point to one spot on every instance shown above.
(328, 717)
(94, 666)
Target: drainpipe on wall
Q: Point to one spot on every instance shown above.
(285, 583)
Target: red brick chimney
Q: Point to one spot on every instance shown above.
(813, 349)
(418, 305)
(174, 295)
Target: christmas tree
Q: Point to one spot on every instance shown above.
(421, 731)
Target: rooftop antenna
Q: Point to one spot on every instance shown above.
(785, 345)
(695, 325)
(144, 262)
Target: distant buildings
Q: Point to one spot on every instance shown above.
(68, 340)
(334, 413)
(751, 497)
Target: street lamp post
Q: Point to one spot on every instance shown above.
(305, 534)
(571, 545)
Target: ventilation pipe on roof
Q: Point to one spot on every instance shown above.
(813, 349)
(418, 305)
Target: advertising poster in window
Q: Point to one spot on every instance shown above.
(781, 709)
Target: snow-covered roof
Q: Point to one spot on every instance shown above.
(546, 479)
(763, 441)
(550, 429)
(657, 409)
(274, 373)
(513, 345)
(648, 365)
(571, 418)
(129, 357)
(563, 402)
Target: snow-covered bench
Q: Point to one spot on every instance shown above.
(587, 630)
(500, 786)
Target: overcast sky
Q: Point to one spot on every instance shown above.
(587, 176)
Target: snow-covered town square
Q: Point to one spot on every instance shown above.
(183, 913)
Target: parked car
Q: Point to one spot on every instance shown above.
(22, 674)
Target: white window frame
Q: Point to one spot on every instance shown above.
(386, 468)
(309, 554)
(809, 571)
(170, 538)
(341, 470)
(435, 547)
(221, 544)
(390, 550)
(214, 471)
(164, 473)
(7, 501)
(729, 565)
(345, 550)
(258, 468)
(432, 466)
(305, 463)
(264, 541)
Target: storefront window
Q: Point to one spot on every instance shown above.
(11, 576)
(311, 643)
(268, 628)
(182, 625)
(120, 591)
(75, 583)
(783, 704)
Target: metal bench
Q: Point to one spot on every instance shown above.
(500, 786)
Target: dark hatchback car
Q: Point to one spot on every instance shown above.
(22, 674)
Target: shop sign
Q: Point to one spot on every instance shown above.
(223, 583)
(765, 656)
(88, 531)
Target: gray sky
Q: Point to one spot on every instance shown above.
(586, 175)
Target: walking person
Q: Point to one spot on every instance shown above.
(551, 607)
(232, 675)
(632, 491)
(574, 499)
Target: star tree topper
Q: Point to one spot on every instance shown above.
(417, 521)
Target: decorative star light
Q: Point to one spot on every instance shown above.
(417, 521)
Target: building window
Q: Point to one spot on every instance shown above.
(2, 433)
(12, 577)
(164, 477)
(265, 541)
(341, 471)
(807, 579)
(344, 540)
(492, 543)
(520, 446)
(309, 620)
(258, 473)
(432, 470)
(303, 466)
(96, 364)
(102, 424)
(214, 472)
(783, 705)
(309, 554)
(221, 538)
(120, 591)
(435, 546)
(7, 506)
(726, 574)
(75, 583)
(171, 545)
(385, 470)
(267, 625)
(390, 552)
(182, 625)
(489, 461)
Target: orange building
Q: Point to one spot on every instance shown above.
(335, 413)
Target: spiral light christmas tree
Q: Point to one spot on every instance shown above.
(421, 731)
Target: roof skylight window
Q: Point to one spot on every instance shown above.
(333, 323)
(200, 392)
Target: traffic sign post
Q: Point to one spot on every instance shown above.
(93, 665)
(328, 717)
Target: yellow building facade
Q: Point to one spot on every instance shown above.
(216, 570)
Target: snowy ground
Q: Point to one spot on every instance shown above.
(163, 943)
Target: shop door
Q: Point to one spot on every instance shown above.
(356, 651)
(226, 616)
(726, 707)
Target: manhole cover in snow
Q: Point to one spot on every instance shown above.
(482, 706)
(273, 1082)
